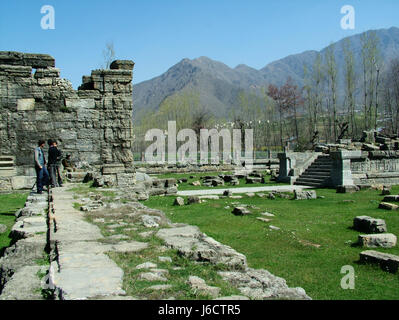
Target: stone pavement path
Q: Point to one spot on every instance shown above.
(82, 270)
(287, 188)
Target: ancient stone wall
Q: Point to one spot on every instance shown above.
(376, 167)
(93, 123)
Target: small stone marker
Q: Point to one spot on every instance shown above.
(196, 183)
(388, 206)
(179, 201)
(3, 228)
(241, 211)
(369, 225)
(384, 240)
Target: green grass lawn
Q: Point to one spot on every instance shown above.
(9, 203)
(187, 185)
(289, 252)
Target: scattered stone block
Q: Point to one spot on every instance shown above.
(267, 214)
(227, 193)
(236, 197)
(250, 194)
(160, 287)
(193, 200)
(274, 228)
(391, 198)
(388, 206)
(146, 234)
(388, 262)
(264, 219)
(199, 286)
(3, 228)
(209, 197)
(271, 196)
(152, 276)
(369, 225)
(241, 211)
(146, 265)
(253, 180)
(347, 189)
(179, 201)
(386, 191)
(305, 194)
(150, 221)
(384, 240)
(165, 259)
(118, 237)
(196, 183)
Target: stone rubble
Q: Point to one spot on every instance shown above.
(80, 268)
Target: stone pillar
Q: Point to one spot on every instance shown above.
(341, 174)
(287, 163)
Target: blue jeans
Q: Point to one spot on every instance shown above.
(42, 178)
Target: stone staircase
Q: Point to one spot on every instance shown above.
(317, 174)
(7, 166)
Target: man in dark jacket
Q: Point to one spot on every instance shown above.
(54, 158)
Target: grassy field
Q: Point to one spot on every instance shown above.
(196, 177)
(9, 203)
(292, 252)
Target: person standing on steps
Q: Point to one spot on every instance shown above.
(54, 158)
(42, 176)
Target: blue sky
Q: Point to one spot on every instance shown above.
(157, 34)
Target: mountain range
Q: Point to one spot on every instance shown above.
(219, 85)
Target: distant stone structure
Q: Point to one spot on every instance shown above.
(93, 123)
(372, 161)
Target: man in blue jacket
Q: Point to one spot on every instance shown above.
(42, 177)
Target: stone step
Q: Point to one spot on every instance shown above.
(323, 170)
(8, 172)
(309, 184)
(323, 161)
(313, 179)
(7, 158)
(321, 166)
(5, 164)
(322, 175)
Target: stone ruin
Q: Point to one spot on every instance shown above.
(346, 165)
(93, 124)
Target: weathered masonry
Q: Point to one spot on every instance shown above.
(93, 123)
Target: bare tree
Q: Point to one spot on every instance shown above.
(331, 71)
(108, 55)
(350, 85)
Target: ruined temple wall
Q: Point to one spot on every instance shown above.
(376, 167)
(93, 124)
